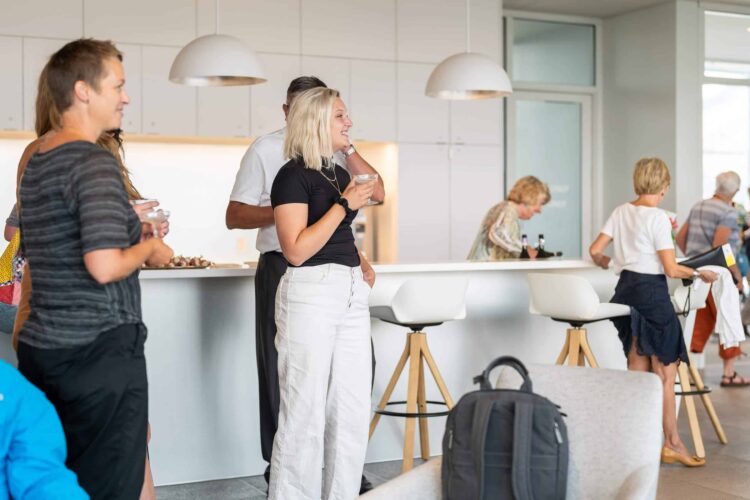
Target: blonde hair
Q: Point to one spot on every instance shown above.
(530, 191)
(651, 175)
(308, 127)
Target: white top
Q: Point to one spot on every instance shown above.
(638, 233)
(252, 186)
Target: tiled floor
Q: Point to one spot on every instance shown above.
(726, 475)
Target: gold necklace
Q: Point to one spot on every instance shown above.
(332, 181)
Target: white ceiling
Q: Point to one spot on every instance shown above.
(590, 8)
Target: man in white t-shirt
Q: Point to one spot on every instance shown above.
(250, 208)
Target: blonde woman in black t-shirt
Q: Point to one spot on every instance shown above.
(322, 315)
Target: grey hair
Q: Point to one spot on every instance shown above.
(727, 183)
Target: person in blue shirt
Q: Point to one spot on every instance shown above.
(32, 444)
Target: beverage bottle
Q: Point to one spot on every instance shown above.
(524, 247)
(540, 243)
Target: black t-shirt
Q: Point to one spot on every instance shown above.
(297, 184)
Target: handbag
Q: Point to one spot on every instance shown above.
(11, 268)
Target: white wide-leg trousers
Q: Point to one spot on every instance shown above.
(325, 371)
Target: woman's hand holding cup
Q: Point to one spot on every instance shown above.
(357, 195)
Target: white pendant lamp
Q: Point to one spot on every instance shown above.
(468, 75)
(217, 60)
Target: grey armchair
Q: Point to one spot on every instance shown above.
(614, 428)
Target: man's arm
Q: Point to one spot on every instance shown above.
(681, 238)
(358, 165)
(242, 216)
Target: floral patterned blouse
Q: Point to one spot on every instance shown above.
(499, 235)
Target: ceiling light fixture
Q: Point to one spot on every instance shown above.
(468, 75)
(217, 60)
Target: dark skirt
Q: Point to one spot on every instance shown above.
(652, 323)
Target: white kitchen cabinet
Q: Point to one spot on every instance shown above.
(132, 62)
(424, 208)
(363, 28)
(11, 83)
(168, 108)
(420, 118)
(42, 18)
(430, 31)
(372, 105)
(267, 98)
(224, 111)
(476, 121)
(36, 53)
(334, 71)
(476, 184)
(166, 22)
(265, 25)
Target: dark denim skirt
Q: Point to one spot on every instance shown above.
(653, 323)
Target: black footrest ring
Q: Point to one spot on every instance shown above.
(388, 413)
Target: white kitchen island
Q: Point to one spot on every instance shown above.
(202, 369)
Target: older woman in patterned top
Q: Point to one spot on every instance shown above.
(499, 235)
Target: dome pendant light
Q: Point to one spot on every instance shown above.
(468, 75)
(217, 60)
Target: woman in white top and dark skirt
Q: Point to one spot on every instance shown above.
(322, 314)
(644, 253)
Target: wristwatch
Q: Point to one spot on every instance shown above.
(344, 203)
(350, 151)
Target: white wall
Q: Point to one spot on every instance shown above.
(652, 100)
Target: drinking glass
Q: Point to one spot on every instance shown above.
(363, 178)
(156, 218)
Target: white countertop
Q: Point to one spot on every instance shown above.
(503, 265)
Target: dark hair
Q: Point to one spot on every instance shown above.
(111, 140)
(79, 60)
(300, 84)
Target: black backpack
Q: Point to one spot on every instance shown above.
(504, 443)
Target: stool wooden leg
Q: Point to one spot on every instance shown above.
(586, 348)
(565, 349)
(424, 431)
(575, 347)
(436, 373)
(695, 429)
(391, 385)
(708, 404)
(411, 399)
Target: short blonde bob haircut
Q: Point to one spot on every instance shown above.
(308, 127)
(651, 175)
(529, 190)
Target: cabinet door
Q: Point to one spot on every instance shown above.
(166, 22)
(420, 118)
(334, 71)
(36, 53)
(132, 61)
(267, 98)
(476, 184)
(423, 203)
(430, 31)
(224, 111)
(372, 106)
(265, 25)
(42, 18)
(168, 108)
(11, 83)
(476, 122)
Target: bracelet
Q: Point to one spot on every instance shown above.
(696, 273)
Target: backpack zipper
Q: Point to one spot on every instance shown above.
(558, 434)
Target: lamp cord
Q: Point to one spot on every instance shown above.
(468, 31)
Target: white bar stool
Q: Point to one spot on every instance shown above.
(416, 304)
(571, 299)
(688, 299)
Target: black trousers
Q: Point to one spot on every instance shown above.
(271, 267)
(100, 392)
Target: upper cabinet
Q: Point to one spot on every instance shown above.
(372, 105)
(363, 28)
(166, 22)
(43, 18)
(267, 98)
(11, 83)
(420, 118)
(132, 61)
(476, 122)
(36, 53)
(224, 111)
(265, 25)
(168, 108)
(430, 31)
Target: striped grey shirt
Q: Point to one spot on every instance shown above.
(73, 201)
(705, 218)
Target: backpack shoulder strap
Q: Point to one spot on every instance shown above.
(482, 412)
(522, 434)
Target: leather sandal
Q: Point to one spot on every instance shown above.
(669, 456)
(727, 381)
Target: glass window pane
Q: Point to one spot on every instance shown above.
(727, 45)
(554, 53)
